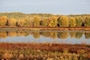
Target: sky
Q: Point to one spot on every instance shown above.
(46, 6)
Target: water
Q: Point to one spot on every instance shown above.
(65, 37)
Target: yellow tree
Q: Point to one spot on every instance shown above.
(3, 20)
(52, 21)
(87, 21)
(21, 22)
(72, 22)
(44, 22)
(28, 21)
(36, 21)
(12, 22)
(63, 21)
(79, 21)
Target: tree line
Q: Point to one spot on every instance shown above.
(41, 20)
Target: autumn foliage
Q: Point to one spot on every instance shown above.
(3, 20)
(63, 21)
(44, 20)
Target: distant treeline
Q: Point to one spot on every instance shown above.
(53, 35)
(17, 19)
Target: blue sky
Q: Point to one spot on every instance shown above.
(46, 6)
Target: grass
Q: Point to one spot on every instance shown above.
(44, 51)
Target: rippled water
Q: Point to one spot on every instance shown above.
(66, 37)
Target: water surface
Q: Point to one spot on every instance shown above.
(65, 37)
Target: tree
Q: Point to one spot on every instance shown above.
(72, 22)
(44, 22)
(3, 20)
(87, 21)
(36, 21)
(21, 22)
(28, 21)
(79, 21)
(52, 21)
(12, 22)
(63, 21)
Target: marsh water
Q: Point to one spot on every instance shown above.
(46, 36)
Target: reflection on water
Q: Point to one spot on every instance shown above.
(45, 36)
